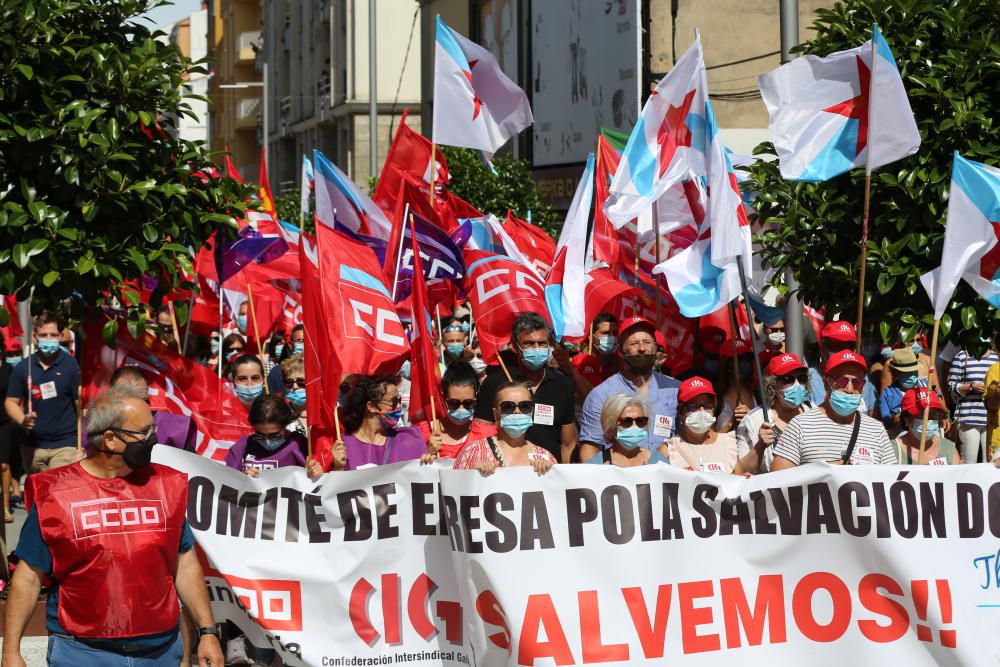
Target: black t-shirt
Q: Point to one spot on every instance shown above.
(555, 395)
(5, 371)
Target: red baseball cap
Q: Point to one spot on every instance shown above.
(634, 321)
(844, 357)
(695, 386)
(916, 399)
(840, 331)
(742, 347)
(783, 364)
(13, 345)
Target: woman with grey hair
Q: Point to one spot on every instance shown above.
(624, 420)
(786, 385)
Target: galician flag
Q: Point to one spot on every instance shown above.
(475, 104)
(971, 248)
(829, 115)
(305, 188)
(567, 281)
(663, 147)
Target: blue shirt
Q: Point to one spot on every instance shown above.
(53, 399)
(817, 392)
(31, 548)
(889, 402)
(661, 397)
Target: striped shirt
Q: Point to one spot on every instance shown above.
(812, 437)
(969, 409)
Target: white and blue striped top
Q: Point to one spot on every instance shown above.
(969, 409)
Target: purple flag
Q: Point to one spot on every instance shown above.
(231, 257)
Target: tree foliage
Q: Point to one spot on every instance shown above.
(96, 188)
(948, 57)
(511, 187)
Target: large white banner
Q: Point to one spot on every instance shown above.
(601, 565)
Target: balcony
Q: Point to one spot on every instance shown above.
(247, 44)
(247, 109)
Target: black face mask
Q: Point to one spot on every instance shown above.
(137, 454)
(640, 363)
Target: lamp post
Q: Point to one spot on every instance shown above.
(265, 102)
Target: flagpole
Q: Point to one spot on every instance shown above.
(736, 365)
(868, 195)
(399, 252)
(256, 334)
(177, 330)
(656, 240)
(437, 314)
(79, 400)
(504, 366)
(433, 172)
(220, 360)
(753, 342)
(187, 329)
(931, 386)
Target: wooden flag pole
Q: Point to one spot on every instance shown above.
(79, 402)
(433, 167)
(187, 329)
(753, 343)
(177, 330)
(437, 315)
(931, 386)
(656, 241)
(221, 358)
(504, 367)
(867, 206)
(399, 251)
(736, 365)
(590, 341)
(256, 334)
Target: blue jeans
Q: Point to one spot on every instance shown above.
(69, 652)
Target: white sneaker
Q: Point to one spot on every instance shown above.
(236, 652)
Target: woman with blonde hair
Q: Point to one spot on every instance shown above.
(625, 420)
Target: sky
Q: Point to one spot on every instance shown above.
(171, 13)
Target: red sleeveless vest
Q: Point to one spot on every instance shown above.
(114, 545)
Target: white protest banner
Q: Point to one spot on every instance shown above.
(350, 570)
(822, 565)
(603, 565)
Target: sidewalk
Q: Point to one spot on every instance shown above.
(33, 650)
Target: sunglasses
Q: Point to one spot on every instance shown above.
(843, 381)
(395, 402)
(776, 329)
(295, 382)
(801, 378)
(455, 404)
(508, 407)
(627, 422)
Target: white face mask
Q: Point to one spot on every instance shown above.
(699, 422)
(776, 337)
(477, 364)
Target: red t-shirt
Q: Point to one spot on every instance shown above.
(589, 366)
(479, 431)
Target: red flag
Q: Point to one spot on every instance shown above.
(13, 329)
(264, 190)
(409, 155)
(425, 382)
(231, 171)
(817, 319)
(532, 241)
(499, 289)
(178, 385)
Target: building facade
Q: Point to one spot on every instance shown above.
(190, 34)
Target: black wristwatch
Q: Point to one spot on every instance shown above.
(209, 630)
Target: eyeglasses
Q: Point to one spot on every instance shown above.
(627, 422)
(843, 380)
(524, 407)
(395, 402)
(455, 404)
(264, 438)
(148, 434)
(801, 378)
(295, 382)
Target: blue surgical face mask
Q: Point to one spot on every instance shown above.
(515, 425)
(794, 395)
(273, 443)
(278, 349)
(214, 346)
(933, 426)
(454, 349)
(536, 357)
(917, 348)
(299, 347)
(13, 361)
(247, 393)
(64, 349)
(296, 397)
(48, 346)
(405, 370)
(843, 403)
(460, 415)
(607, 344)
(908, 381)
(631, 437)
(886, 352)
(241, 322)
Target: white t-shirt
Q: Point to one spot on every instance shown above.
(747, 435)
(812, 437)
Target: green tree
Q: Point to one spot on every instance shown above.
(96, 188)
(511, 187)
(947, 53)
(289, 208)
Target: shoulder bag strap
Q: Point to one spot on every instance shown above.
(496, 450)
(853, 441)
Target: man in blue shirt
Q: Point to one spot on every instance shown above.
(47, 408)
(638, 348)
